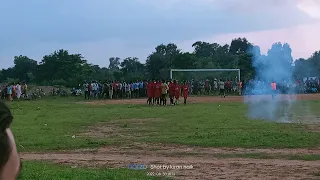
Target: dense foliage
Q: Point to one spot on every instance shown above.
(63, 68)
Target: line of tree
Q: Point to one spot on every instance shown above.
(63, 68)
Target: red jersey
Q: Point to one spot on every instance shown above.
(114, 84)
(171, 89)
(157, 90)
(207, 83)
(150, 89)
(185, 90)
(177, 91)
(228, 84)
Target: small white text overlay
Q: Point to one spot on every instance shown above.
(170, 167)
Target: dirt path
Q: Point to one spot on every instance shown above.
(202, 160)
(209, 99)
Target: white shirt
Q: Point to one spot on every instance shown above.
(18, 89)
(94, 87)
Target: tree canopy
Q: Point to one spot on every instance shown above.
(63, 68)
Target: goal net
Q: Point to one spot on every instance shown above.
(204, 81)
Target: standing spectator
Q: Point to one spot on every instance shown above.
(105, 90)
(114, 89)
(215, 86)
(18, 90)
(89, 90)
(221, 87)
(207, 87)
(24, 90)
(164, 90)
(119, 90)
(145, 83)
(127, 90)
(234, 87)
(110, 88)
(13, 91)
(141, 90)
(9, 92)
(137, 89)
(95, 89)
(85, 89)
(227, 86)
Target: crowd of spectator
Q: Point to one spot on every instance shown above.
(138, 89)
(296, 86)
(14, 91)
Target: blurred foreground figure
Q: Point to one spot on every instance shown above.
(9, 160)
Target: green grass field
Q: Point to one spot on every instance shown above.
(48, 125)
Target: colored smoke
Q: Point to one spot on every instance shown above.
(275, 66)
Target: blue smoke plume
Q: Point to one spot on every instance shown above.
(277, 67)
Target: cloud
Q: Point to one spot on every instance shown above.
(310, 7)
(304, 39)
(99, 29)
(235, 5)
(97, 52)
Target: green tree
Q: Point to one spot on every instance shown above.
(114, 63)
(24, 68)
(60, 65)
(159, 63)
(132, 69)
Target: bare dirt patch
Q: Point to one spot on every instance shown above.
(208, 99)
(126, 128)
(117, 128)
(313, 128)
(204, 166)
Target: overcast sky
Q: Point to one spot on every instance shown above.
(99, 29)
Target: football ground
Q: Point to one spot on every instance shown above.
(209, 138)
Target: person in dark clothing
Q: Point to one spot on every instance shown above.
(10, 164)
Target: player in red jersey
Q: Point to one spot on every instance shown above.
(150, 91)
(154, 91)
(185, 91)
(171, 91)
(177, 92)
(157, 92)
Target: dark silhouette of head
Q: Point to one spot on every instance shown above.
(9, 160)
(5, 122)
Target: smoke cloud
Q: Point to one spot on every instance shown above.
(275, 67)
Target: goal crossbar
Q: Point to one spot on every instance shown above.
(203, 70)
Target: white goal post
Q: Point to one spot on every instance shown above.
(203, 70)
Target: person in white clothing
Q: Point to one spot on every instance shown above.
(94, 89)
(18, 90)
